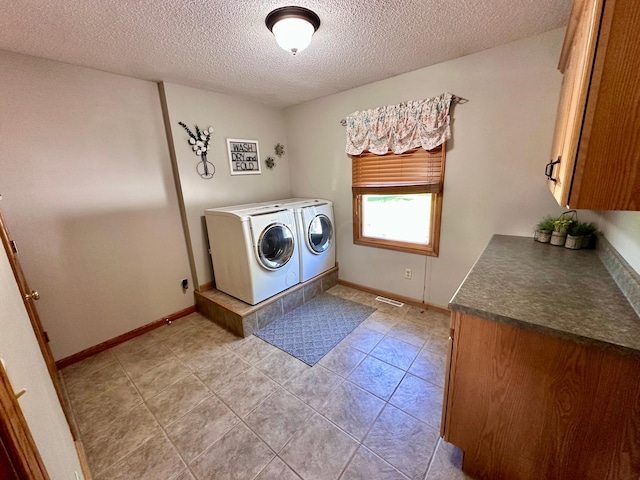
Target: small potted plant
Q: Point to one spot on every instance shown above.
(560, 227)
(580, 234)
(575, 236)
(544, 229)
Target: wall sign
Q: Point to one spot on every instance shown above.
(244, 158)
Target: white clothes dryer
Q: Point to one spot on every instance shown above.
(316, 235)
(254, 250)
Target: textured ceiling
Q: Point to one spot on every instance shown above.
(225, 46)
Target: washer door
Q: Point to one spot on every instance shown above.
(275, 246)
(320, 234)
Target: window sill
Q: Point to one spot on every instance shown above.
(415, 248)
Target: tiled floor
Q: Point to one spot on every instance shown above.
(191, 401)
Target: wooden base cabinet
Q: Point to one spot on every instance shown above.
(523, 405)
(595, 158)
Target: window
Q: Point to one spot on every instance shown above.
(397, 200)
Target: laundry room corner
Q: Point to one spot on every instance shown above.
(229, 118)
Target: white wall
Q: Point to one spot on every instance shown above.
(90, 199)
(230, 117)
(26, 369)
(622, 229)
(494, 179)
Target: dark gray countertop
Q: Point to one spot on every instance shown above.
(552, 290)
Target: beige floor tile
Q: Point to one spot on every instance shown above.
(247, 391)
(313, 386)
(221, 370)
(199, 319)
(441, 321)
(221, 335)
(100, 381)
(280, 366)
(153, 381)
(342, 360)
(177, 400)
(363, 339)
(319, 450)
(365, 298)
(365, 465)
(141, 342)
(252, 349)
(183, 341)
(446, 463)
(184, 475)
(435, 321)
(437, 343)
(410, 333)
(176, 367)
(419, 398)
(278, 418)
(342, 291)
(402, 441)
(390, 309)
(88, 366)
(120, 438)
(377, 377)
(277, 470)
(416, 314)
(240, 455)
(430, 367)
(188, 340)
(352, 409)
(380, 321)
(95, 412)
(201, 427)
(140, 361)
(395, 352)
(202, 355)
(156, 459)
(174, 328)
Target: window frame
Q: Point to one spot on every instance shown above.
(432, 247)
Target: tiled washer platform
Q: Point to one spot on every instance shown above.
(192, 401)
(244, 319)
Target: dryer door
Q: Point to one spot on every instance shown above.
(275, 246)
(320, 234)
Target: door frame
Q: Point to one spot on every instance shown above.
(15, 436)
(23, 286)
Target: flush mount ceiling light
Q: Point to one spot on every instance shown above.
(293, 27)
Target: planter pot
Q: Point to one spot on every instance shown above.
(558, 239)
(586, 241)
(574, 243)
(542, 236)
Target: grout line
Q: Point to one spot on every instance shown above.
(315, 410)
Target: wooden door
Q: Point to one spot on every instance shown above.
(7, 471)
(19, 456)
(28, 297)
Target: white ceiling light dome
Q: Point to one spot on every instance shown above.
(293, 27)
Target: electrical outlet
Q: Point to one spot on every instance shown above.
(185, 284)
(407, 273)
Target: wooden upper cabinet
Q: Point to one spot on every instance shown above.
(595, 159)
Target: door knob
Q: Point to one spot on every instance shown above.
(34, 294)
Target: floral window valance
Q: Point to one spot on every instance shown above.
(413, 124)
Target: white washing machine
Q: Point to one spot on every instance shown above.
(254, 250)
(316, 235)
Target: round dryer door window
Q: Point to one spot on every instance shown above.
(320, 233)
(275, 246)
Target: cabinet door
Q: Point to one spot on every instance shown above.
(573, 98)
